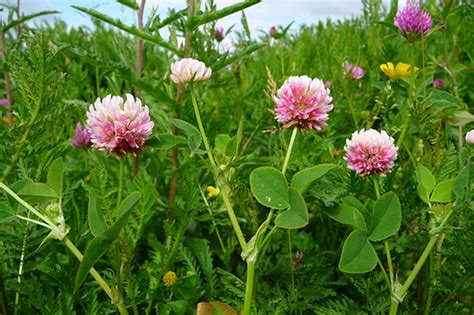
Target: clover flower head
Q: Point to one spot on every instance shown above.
(438, 84)
(303, 102)
(4, 102)
(401, 70)
(119, 127)
(370, 152)
(327, 84)
(82, 137)
(219, 34)
(470, 136)
(188, 70)
(355, 72)
(272, 31)
(412, 21)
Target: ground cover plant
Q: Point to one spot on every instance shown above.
(324, 169)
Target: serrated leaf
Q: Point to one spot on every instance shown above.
(303, 179)
(96, 220)
(55, 176)
(358, 255)
(297, 214)
(269, 187)
(348, 215)
(99, 245)
(443, 192)
(387, 217)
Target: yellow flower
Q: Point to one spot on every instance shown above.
(169, 278)
(401, 70)
(212, 191)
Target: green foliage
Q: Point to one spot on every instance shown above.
(56, 71)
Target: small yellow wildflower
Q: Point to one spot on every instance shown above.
(169, 278)
(212, 191)
(401, 70)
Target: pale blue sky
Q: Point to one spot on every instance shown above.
(260, 17)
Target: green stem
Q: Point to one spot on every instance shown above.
(393, 309)
(354, 117)
(249, 288)
(290, 148)
(223, 187)
(120, 187)
(201, 130)
(389, 285)
(419, 264)
(389, 261)
(375, 181)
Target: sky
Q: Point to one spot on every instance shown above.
(260, 16)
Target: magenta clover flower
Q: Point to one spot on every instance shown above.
(413, 22)
(303, 102)
(355, 72)
(82, 138)
(370, 152)
(219, 34)
(438, 84)
(119, 127)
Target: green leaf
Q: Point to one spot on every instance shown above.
(269, 187)
(194, 137)
(129, 29)
(358, 255)
(221, 142)
(387, 217)
(96, 220)
(129, 3)
(460, 118)
(210, 16)
(303, 179)
(99, 245)
(444, 100)
(443, 191)
(425, 177)
(166, 141)
(6, 212)
(461, 188)
(25, 18)
(348, 215)
(426, 182)
(38, 192)
(297, 215)
(55, 176)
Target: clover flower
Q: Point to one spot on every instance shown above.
(370, 152)
(119, 127)
(401, 70)
(272, 31)
(304, 102)
(355, 72)
(470, 136)
(219, 34)
(188, 70)
(327, 84)
(413, 22)
(438, 84)
(4, 102)
(82, 137)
